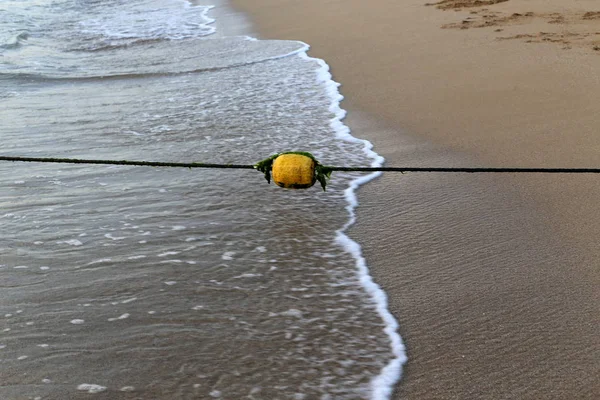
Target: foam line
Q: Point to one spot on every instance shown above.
(383, 384)
(204, 14)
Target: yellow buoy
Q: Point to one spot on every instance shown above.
(294, 171)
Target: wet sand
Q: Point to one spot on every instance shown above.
(494, 279)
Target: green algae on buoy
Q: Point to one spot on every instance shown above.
(294, 170)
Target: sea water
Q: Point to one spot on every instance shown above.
(163, 283)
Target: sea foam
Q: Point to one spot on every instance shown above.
(383, 384)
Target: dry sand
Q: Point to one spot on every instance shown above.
(495, 280)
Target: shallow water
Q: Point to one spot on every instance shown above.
(158, 283)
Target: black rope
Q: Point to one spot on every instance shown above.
(331, 168)
(124, 162)
(472, 170)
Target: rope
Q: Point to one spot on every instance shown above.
(125, 162)
(473, 170)
(331, 168)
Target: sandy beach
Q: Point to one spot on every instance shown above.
(494, 280)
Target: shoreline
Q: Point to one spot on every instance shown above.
(383, 384)
(492, 298)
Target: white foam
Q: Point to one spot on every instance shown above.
(248, 275)
(77, 321)
(134, 133)
(122, 316)
(168, 253)
(292, 312)
(109, 236)
(169, 21)
(102, 260)
(228, 255)
(91, 388)
(383, 384)
(73, 242)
